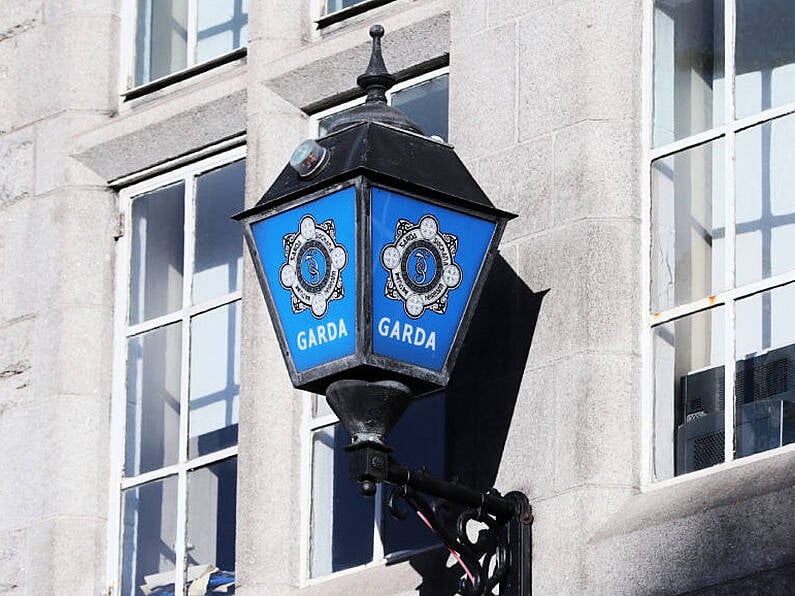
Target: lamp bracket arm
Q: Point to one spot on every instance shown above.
(490, 537)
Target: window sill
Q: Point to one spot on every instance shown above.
(330, 577)
(390, 560)
(184, 74)
(345, 13)
(697, 492)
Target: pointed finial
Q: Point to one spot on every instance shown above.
(376, 79)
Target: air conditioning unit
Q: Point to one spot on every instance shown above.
(764, 413)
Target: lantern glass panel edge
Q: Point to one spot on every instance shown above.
(307, 259)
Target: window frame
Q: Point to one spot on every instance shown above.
(311, 424)
(314, 119)
(128, 90)
(123, 330)
(323, 18)
(726, 298)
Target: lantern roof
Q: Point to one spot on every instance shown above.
(388, 155)
(380, 142)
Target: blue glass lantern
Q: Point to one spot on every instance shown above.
(371, 247)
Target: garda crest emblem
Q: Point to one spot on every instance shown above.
(421, 265)
(314, 263)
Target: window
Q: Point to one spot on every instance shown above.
(344, 529)
(335, 5)
(722, 231)
(172, 35)
(333, 11)
(177, 381)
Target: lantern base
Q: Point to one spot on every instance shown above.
(368, 410)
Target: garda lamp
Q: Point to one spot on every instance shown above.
(372, 247)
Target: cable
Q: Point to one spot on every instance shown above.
(452, 552)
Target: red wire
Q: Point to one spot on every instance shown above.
(454, 553)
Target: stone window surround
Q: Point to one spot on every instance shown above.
(151, 134)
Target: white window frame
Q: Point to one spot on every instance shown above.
(186, 174)
(192, 66)
(726, 298)
(311, 424)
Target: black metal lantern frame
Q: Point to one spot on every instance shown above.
(364, 156)
(371, 149)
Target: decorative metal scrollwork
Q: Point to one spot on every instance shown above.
(485, 560)
(497, 554)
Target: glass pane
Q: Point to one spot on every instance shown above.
(212, 497)
(426, 104)
(223, 27)
(161, 38)
(153, 380)
(688, 68)
(419, 439)
(157, 253)
(214, 379)
(219, 240)
(765, 380)
(343, 521)
(687, 226)
(688, 393)
(326, 123)
(765, 202)
(335, 5)
(765, 55)
(149, 530)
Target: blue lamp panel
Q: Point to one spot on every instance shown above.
(426, 259)
(309, 258)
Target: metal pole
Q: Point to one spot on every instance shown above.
(420, 480)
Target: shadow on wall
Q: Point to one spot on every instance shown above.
(481, 397)
(484, 386)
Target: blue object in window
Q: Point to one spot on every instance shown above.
(221, 579)
(221, 582)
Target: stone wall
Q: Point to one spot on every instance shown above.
(56, 296)
(545, 109)
(549, 121)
